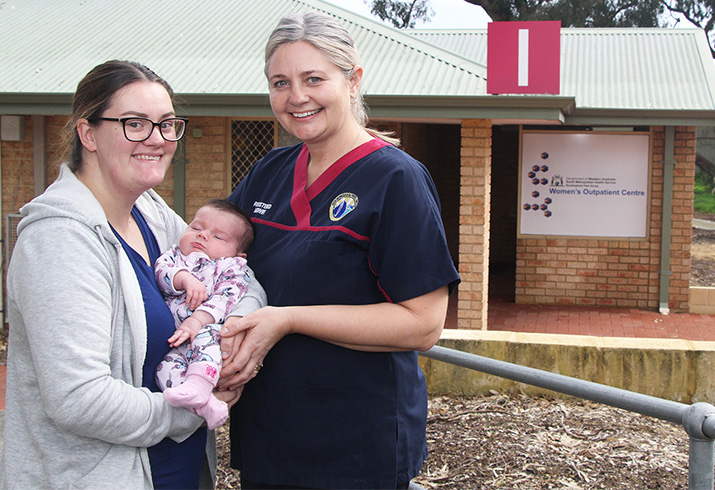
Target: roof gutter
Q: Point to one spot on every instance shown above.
(236, 105)
(34, 104)
(543, 108)
(539, 108)
(640, 117)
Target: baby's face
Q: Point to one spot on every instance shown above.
(213, 232)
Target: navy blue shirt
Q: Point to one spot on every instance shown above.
(368, 230)
(173, 465)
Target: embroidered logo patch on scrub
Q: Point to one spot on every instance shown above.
(342, 205)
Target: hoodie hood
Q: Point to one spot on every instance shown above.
(67, 197)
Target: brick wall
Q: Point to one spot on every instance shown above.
(17, 179)
(207, 174)
(475, 183)
(619, 273)
(17, 171)
(682, 228)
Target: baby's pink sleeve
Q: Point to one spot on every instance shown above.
(230, 285)
(166, 267)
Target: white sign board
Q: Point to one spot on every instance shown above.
(584, 184)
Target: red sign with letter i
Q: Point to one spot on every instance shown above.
(524, 57)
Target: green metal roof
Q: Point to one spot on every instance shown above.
(211, 51)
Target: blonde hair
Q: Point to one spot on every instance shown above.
(335, 42)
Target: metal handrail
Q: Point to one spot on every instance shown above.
(698, 419)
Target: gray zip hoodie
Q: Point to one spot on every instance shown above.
(76, 415)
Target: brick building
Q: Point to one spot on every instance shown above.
(430, 88)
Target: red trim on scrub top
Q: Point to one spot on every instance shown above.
(279, 226)
(300, 200)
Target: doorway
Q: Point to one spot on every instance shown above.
(503, 215)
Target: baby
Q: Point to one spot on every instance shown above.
(202, 279)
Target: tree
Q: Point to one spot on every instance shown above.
(571, 13)
(402, 15)
(700, 13)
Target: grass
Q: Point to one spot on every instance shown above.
(704, 201)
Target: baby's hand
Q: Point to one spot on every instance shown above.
(195, 289)
(186, 331)
(179, 337)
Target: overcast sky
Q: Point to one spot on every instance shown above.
(454, 14)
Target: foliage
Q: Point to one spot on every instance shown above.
(402, 15)
(576, 13)
(704, 201)
(571, 13)
(703, 182)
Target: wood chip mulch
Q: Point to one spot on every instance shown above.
(521, 442)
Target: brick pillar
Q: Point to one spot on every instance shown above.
(681, 230)
(474, 211)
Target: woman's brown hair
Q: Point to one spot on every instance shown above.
(94, 94)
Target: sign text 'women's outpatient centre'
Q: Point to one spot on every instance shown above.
(584, 184)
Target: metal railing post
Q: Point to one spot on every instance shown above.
(700, 464)
(702, 448)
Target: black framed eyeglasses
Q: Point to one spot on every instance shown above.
(139, 129)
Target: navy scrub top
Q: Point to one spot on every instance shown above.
(173, 465)
(368, 230)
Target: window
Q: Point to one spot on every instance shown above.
(250, 141)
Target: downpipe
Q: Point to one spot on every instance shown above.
(665, 272)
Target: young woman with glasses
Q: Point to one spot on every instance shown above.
(88, 324)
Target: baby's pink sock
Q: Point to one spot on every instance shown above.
(214, 411)
(196, 389)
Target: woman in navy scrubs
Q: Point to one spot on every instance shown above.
(351, 250)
